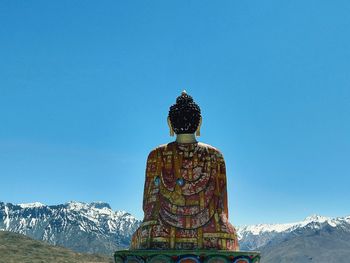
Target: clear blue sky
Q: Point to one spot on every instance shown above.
(85, 88)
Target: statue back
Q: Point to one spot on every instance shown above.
(185, 200)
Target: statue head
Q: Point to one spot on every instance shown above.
(185, 115)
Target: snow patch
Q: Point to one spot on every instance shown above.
(7, 219)
(31, 205)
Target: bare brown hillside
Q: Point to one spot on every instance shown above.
(19, 248)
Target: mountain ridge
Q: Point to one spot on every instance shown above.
(84, 227)
(315, 239)
(252, 237)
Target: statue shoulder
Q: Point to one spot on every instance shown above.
(211, 149)
(164, 147)
(159, 149)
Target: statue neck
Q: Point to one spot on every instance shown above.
(186, 138)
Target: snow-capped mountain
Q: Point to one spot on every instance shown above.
(255, 236)
(92, 228)
(316, 239)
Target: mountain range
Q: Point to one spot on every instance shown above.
(89, 228)
(96, 228)
(315, 239)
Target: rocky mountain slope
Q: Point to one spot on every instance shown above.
(90, 228)
(315, 239)
(19, 248)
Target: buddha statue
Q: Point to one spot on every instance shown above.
(185, 196)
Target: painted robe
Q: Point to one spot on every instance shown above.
(185, 200)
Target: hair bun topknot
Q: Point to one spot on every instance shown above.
(185, 114)
(184, 98)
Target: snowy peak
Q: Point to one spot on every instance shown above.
(31, 205)
(75, 205)
(316, 218)
(260, 228)
(100, 205)
(97, 210)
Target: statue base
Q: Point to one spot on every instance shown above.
(186, 256)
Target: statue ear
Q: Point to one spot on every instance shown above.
(170, 127)
(198, 131)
